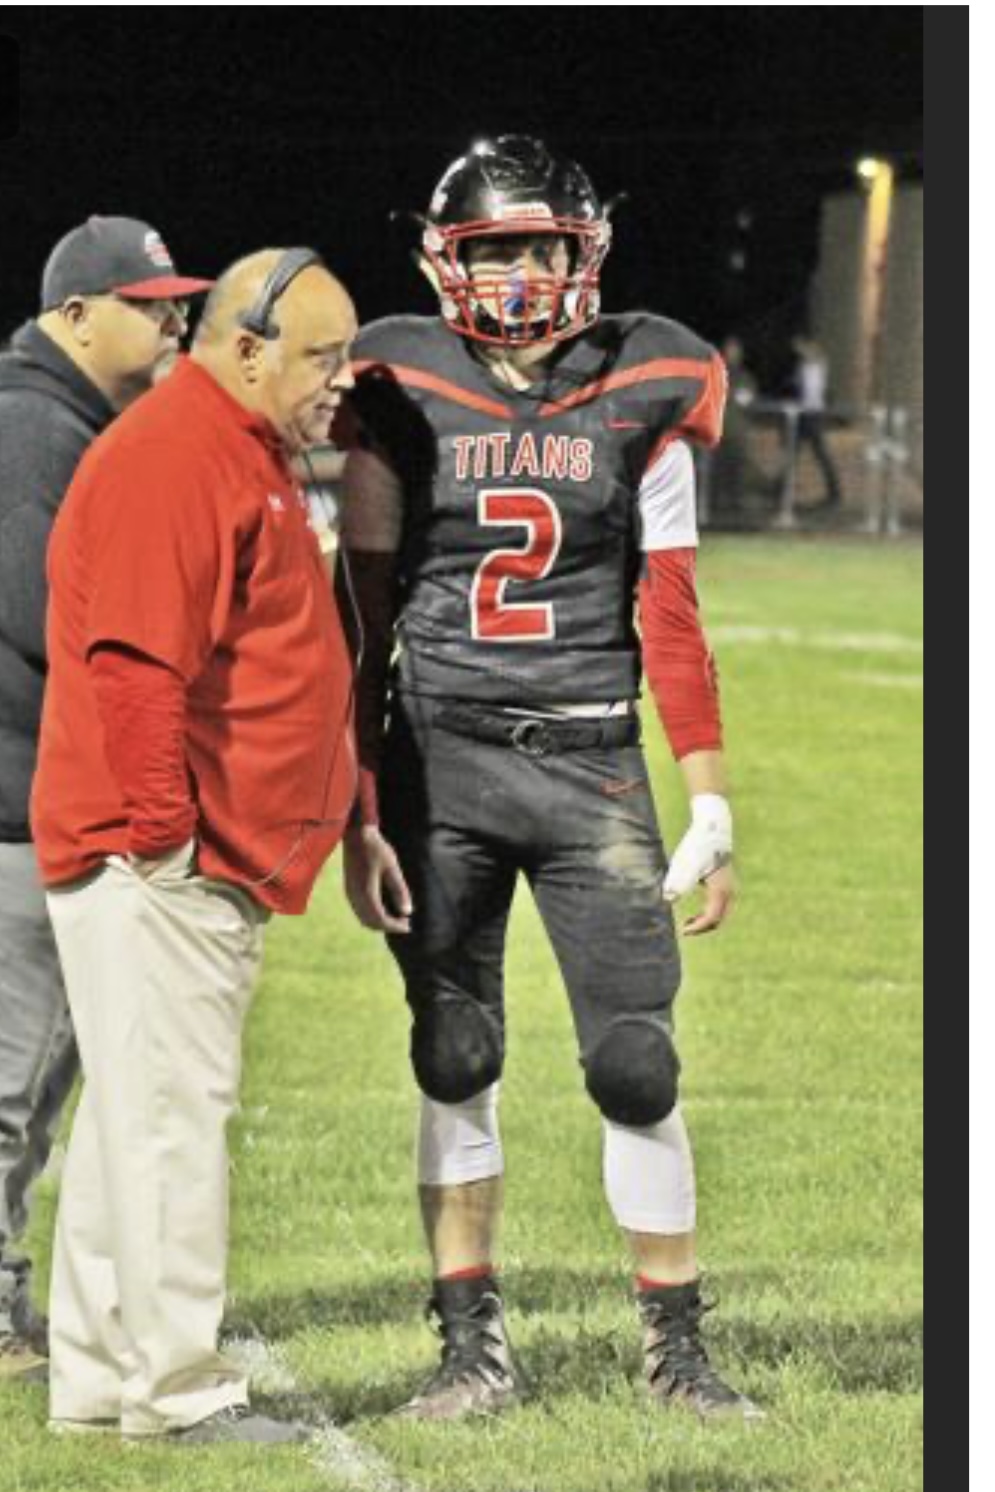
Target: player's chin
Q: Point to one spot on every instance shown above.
(531, 336)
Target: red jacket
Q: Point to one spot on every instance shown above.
(185, 537)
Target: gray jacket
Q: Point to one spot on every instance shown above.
(49, 413)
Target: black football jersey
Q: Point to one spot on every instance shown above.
(520, 550)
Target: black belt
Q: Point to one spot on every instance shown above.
(537, 737)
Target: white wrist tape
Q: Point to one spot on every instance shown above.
(705, 848)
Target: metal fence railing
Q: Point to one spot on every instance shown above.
(852, 469)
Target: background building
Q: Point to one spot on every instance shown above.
(867, 309)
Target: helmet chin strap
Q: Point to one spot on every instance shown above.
(517, 366)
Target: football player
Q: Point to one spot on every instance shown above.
(523, 476)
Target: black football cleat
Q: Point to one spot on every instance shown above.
(477, 1374)
(677, 1368)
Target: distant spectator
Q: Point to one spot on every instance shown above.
(731, 471)
(811, 381)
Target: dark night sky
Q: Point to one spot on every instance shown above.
(230, 129)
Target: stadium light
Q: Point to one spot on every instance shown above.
(878, 178)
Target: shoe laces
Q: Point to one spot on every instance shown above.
(472, 1340)
(674, 1348)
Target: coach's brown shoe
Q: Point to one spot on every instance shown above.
(20, 1359)
(677, 1368)
(477, 1374)
(24, 1344)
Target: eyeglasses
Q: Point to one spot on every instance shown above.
(159, 311)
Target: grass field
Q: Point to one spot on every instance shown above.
(800, 1032)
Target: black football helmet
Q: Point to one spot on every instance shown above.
(501, 189)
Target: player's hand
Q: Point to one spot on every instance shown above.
(720, 893)
(704, 856)
(374, 882)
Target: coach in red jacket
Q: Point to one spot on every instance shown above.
(196, 770)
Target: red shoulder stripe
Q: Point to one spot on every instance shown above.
(662, 367)
(703, 421)
(418, 379)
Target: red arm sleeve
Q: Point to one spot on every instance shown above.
(142, 708)
(373, 580)
(680, 669)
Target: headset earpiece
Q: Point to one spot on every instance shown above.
(258, 319)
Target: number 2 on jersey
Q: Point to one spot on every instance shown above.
(494, 619)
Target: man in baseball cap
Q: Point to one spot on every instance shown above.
(112, 315)
(113, 256)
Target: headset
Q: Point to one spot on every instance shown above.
(258, 319)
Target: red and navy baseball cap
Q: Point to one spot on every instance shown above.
(119, 256)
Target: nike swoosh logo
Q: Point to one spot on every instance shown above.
(620, 789)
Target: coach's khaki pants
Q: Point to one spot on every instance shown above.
(159, 974)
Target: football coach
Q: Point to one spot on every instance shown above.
(196, 770)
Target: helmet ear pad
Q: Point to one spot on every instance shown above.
(428, 268)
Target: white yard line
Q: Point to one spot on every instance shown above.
(888, 680)
(834, 642)
(354, 1466)
(266, 1367)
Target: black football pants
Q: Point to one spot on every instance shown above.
(466, 817)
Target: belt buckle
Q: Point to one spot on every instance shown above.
(531, 738)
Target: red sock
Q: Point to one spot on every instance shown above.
(643, 1282)
(475, 1272)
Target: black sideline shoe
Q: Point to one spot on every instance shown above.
(236, 1425)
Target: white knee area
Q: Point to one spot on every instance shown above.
(460, 1142)
(649, 1176)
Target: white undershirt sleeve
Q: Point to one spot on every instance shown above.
(667, 504)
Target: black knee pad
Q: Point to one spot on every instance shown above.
(633, 1071)
(457, 1050)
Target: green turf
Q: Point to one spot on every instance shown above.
(800, 1031)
